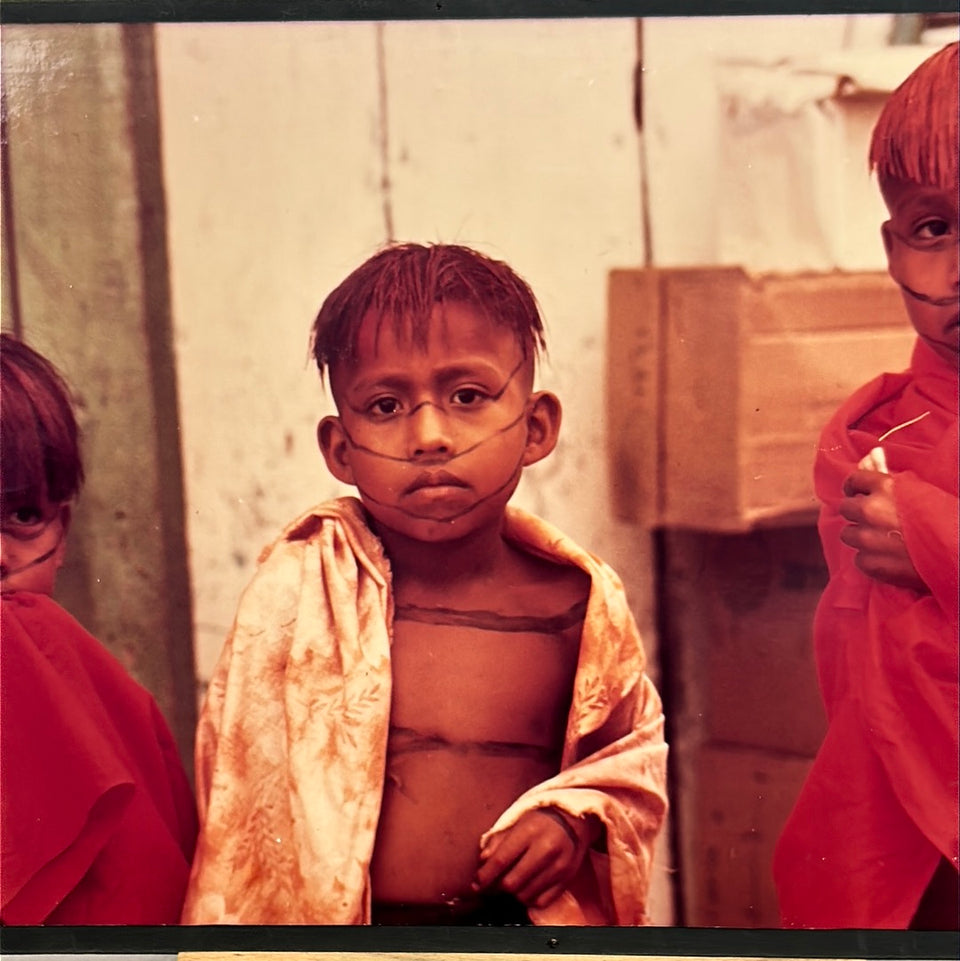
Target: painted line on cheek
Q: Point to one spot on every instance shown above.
(927, 299)
(449, 518)
(429, 403)
(413, 460)
(37, 560)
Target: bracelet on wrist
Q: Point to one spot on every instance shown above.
(564, 821)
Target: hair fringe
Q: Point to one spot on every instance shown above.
(915, 137)
(39, 436)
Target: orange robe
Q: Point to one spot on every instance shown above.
(292, 743)
(879, 808)
(97, 819)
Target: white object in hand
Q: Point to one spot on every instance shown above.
(875, 460)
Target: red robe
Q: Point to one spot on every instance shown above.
(879, 809)
(98, 820)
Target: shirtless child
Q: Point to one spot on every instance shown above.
(432, 708)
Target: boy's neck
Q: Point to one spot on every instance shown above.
(444, 565)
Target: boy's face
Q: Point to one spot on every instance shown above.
(921, 240)
(33, 538)
(435, 438)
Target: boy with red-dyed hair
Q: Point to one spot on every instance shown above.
(97, 816)
(432, 708)
(872, 841)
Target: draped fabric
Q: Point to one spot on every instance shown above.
(292, 743)
(879, 808)
(98, 819)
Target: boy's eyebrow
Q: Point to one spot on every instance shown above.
(400, 379)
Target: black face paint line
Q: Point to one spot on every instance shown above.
(926, 299)
(494, 397)
(449, 518)
(43, 558)
(439, 462)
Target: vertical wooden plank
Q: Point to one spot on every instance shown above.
(743, 706)
(702, 342)
(633, 396)
(88, 227)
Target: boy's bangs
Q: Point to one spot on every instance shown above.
(39, 439)
(402, 284)
(407, 291)
(22, 451)
(915, 138)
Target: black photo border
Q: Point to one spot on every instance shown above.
(660, 942)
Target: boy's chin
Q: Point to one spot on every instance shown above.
(436, 529)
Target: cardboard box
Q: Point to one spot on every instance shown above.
(719, 383)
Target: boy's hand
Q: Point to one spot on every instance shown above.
(874, 530)
(536, 858)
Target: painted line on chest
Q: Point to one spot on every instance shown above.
(492, 621)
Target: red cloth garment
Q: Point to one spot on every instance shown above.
(879, 809)
(98, 821)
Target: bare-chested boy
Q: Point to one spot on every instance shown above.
(432, 708)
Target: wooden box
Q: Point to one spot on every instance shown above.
(739, 802)
(744, 713)
(719, 383)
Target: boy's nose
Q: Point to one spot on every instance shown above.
(428, 431)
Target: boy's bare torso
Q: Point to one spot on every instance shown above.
(483, 675)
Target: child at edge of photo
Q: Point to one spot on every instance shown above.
(97, 818)
(872, 840)
(432, 707)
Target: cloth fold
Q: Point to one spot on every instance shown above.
(291, 748)
(98, 820)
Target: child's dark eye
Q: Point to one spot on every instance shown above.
(26, 516)
(933, 233)
(25, 521)
(384, 406)
(932, 229)
(468, 396)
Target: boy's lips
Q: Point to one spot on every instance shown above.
(431, 478)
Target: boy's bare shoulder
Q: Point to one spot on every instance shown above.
(538, 584)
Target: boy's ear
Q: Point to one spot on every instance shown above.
(543, 426)
(887, 239)
(332, 440)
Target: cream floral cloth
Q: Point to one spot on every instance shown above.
(292, 741)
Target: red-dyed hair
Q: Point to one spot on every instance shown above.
(915, 137)
(403, 282)
(39, 437)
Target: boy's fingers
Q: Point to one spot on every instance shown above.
(864, 482)
(529, 877)
(548, 897)
(850, 508)
(496, 857)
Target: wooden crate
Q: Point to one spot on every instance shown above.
(739, 800)
(719, 383)
(744, 712)
(736, 630)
